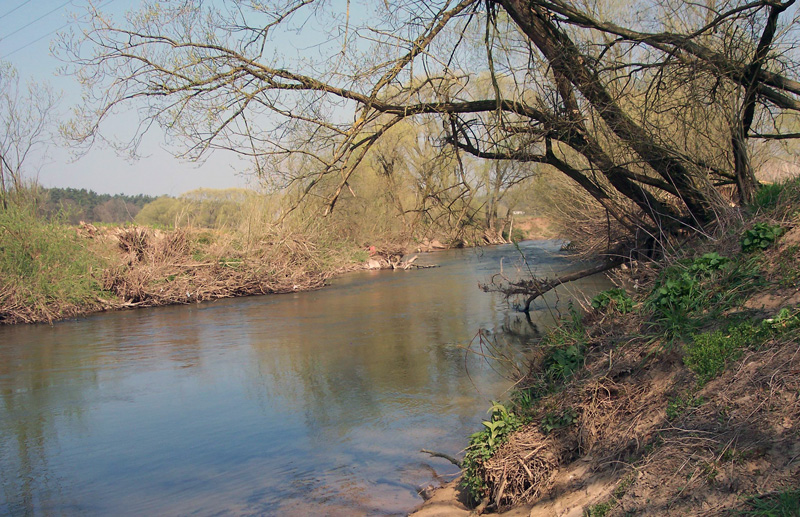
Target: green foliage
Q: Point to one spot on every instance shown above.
(761, 236)
(687, 288)
(553, 421)
(785, 267)
(563, 363)
(44, 263)
(483, 444)
(708, 263)
(768, 195)
(517, 235)
(203, 208)
(680, 285)
(782, 504)
(677, 406)
(524, 398)
(613, 300)
(676, 291)
(599, 509)
(87, 205)
(360, 255)
(709, 352)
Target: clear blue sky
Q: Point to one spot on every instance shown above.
(27, 28)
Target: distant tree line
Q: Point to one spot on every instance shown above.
(77, 205)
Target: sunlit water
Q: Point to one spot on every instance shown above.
(305, 404)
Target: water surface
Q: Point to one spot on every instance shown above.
(307, 403)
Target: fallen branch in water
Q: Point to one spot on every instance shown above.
(449, 458)
(535, 287)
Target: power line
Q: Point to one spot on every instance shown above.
(48, 13)
(40, 38)
(17, 7)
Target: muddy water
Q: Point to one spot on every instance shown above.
(307, 404)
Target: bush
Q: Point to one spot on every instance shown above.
(768, 196)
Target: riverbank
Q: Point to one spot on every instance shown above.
(677, 394)
(55, 272)
(51, 271)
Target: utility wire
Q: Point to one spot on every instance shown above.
(40, 38)
(48, 13)
(17, 7)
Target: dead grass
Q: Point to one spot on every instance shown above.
(736, 436)
(146, 267)
(181, 266)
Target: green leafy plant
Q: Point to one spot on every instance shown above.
(761, 236)
(483, 444)
(558, 420)
(708, 263)
(564, 362)
(709, 352)
(674, 292)
(613, 299)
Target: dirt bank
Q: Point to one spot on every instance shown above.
(686, 407)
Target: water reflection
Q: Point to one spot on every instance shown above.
(284, 404)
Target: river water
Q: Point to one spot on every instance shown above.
(311, 403)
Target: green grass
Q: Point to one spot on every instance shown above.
(782, 504)
(44, 265)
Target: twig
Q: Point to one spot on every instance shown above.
(449, 458)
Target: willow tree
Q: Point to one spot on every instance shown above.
(649, 108)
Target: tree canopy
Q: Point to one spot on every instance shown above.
(651, 108)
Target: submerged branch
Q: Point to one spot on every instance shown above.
(535, 287)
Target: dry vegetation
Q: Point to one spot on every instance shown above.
(680, 396)
(51, 271)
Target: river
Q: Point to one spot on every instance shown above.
(313, 403)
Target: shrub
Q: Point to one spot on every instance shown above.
(563, 363)
(680, 288)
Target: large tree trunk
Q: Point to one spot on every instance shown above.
(566, 60)
(745, 177)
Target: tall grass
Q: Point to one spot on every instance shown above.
(46, 271)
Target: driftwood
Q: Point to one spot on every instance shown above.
(399, 263)
(443, 455)
(535, 287)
